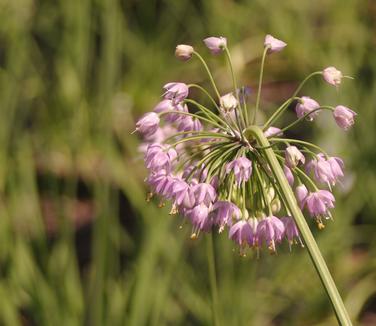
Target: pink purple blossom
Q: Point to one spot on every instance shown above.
(344, 117)
(215, 44)
(306, 105)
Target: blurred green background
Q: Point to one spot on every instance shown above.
(78, 243)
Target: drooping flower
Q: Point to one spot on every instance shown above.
(332, 76)
(204, 193)
(215, 44)
(301, 193)
(224, 212)
(293, 156)
(228, 102)
(273, 132)
(148, 124)
(184, 52)
(176, 92)
(306, 105)
(241, 233)
(158, 157)
(183, 194)
(189, 124)
(318, 203)
(200, 219)
(242, 168)
(326, 170)
(289, 175)
(344, 117)
(291, 231)
(270, 229)
(273, 44)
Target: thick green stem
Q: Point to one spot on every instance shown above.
(318, 261)
(212, 278)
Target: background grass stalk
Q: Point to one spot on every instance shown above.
(313, 250)
(212, 277)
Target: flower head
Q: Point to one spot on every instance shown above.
(184, 52)
(319, 202)
(271, 230)
(307, 105)
(291, 231)
(215, 44)
(176, 92)
(242, 233)
(344, 117)
(224, 212)
(148, 124)
(332, 76)
(242, 168)
(273, 44)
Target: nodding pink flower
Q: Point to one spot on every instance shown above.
(162, 183)
(273, 132)
(274, 44)
(270, 230)
(215, 44)
(184, 52)
(332, 76)
(204, 193)
(291, 231)
(293, 156)
(241, 233)
(242, 168)
(148, 124)
(318, 203)
(200, 219)
(289, 175)
(305, 106)
(189, 124)
(157, 157)
(183, 194)
(326, 170)
(301, 194)
(344, 117)
(176, 92)
(228, 102)
(168, 105)
(224, 212)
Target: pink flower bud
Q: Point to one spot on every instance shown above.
(289, 175)
(184, 52)
(274, 44)
(301, 193)
(332, 76)
(307, 105)
(216, 44)
(148, 124)
(344, 116)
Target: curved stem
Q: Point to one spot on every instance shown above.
(296, 141)
(313, 250)
(278, 112)
(202, 89)
(209, 73)
(260, 83)
(212, 277)
(305, 80)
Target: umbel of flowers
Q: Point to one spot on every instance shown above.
(201, 160)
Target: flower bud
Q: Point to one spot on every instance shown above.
(293, 156)
(148, 124)
(332, 76)
(275, 205)
(184, 52)
(228, 102)
(305, 106)
(215, 44)
(289, 175)
(274, 44)
(344, 116)
(301, 193)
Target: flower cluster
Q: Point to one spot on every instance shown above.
(199, 157)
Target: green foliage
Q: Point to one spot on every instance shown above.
(73, 77)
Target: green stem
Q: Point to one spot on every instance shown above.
(212, 277)
(278, 112)
(305, 80)
(296, 141)
(209, 73)
(260, 83)
(313, 250)
(202, 89)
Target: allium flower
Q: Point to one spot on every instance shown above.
(216, 44)
(221, 171)
(184, 52)
(305, 106)
(224, 212)
(274, 44)
(242, 168)
(332, 76)
(301, 193)
(344, 117)
(148, 124)
(293, 156)
(228, 102)
(318, 203)
(176, 92)
(271, 230)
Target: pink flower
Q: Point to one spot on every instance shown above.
(148, 124)
(184, 52)
(319, 202)
(344, 116)
(273, 44)
(242, 233)
(204, 193)
(270, 230)
(326, 170)
(224, 212)
(289, 175)
(273, 132)
(293, 156)
(183, 194)
(189, 124)
(216, 44)
(305, 106)
(301, 193)
(176, 92)
(200, 219)
(291, 230)
(242, 168)
(158, 157)
(332, 76)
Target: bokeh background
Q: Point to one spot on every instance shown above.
(79, 245)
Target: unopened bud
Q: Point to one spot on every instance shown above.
(184, 52)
